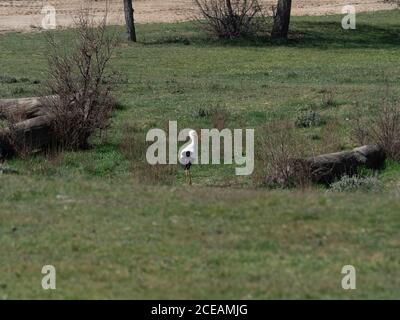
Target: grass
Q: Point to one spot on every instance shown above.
(110, 237)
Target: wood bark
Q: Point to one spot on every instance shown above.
(24, 108)
(329, 167)
(31, 126)
(32, 134)
(282, 19)
(130, 21)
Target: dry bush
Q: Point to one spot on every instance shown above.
(382, 128)
(309, 118)
(228, 19)
(79, 76)
(278, 157)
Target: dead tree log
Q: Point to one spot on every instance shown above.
(329, 167)
(31, 134)
(23, 108)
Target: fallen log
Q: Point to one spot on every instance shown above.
(329, 167)
(34, 134)
(23, 108)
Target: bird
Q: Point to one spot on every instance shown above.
(188, 155)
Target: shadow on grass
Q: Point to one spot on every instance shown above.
(326, 34)
(330, 34)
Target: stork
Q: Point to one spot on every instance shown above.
(188, 155)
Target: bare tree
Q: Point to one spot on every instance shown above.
(130, 21)
(282, 19)
(229, 19)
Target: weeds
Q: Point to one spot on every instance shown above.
(356, 183)
(279, 154)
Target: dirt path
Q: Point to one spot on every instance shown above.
(25, 15)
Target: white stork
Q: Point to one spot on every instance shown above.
(188, 155)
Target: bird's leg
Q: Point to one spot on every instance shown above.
(190, 178)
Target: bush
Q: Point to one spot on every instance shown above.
(228, 19)
(356, 183)
(382, 129)
(306, 119)
(278, 154)
(80, 80)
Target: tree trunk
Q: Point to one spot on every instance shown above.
(32, 134)
(31, 129)
(23, 108)
(329, 167)
(130, 22)
(282, 19)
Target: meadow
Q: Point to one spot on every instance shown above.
(110, 235)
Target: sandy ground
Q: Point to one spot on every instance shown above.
(25, 15)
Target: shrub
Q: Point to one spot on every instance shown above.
(228, 19)
(383, 128)
(306, 119)
(79, 77)
(278, 154)
(356, 183)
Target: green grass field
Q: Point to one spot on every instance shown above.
(110, 236)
